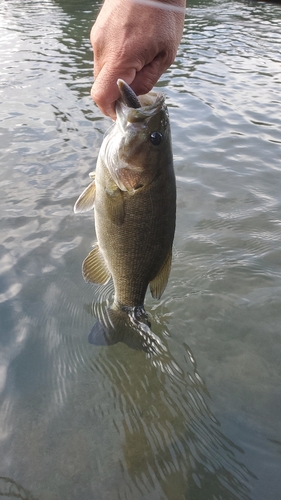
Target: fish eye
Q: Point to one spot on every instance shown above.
(155, 138)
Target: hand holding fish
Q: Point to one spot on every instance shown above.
(136, 42)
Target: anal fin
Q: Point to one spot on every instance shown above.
(158, 284)
(94, 268)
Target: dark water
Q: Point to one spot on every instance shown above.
(200, 419)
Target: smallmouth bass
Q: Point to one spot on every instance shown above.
(133, 193)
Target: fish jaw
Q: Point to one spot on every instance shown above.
(128, 96)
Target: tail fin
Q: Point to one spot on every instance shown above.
(129, 325)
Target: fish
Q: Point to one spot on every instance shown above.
(133, 194)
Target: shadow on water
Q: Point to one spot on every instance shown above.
(171, 441)
(13, 490)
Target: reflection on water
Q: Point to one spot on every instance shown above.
(171, 442)
(192, 410)
(130, 325)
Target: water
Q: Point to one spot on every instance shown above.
(200, 419)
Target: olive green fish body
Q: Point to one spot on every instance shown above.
(135, 238)
(133, 193)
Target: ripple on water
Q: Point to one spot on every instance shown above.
(111, 420)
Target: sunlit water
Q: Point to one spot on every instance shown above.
(201, 418)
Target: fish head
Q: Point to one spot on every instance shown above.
(139, 144)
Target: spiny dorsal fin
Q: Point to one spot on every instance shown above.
(86, 199)
(94, 268)
(158, 284)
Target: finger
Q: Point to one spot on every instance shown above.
(105, 91)
(106, 106)
(148, 76)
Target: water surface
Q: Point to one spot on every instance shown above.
(200, 419)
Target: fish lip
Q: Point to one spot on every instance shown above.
(125, 114)
(128, 96)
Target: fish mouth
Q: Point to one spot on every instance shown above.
(131, 108)
(150, 104)
(128, 96)
(131, 100)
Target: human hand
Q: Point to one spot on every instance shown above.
(135, 42)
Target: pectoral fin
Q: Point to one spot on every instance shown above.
(158, 284)
(115, 204)
(94, 268)
(86, 200)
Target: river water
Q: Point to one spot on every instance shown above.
(201, 418)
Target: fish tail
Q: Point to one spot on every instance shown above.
(135, 314)
(129, 325)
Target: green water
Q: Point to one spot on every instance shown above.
(201, 419)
